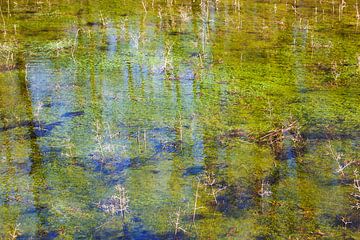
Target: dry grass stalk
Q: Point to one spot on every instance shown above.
(265, 189)
(211, 181)
(184, 14)
(356, 194)
(117, 203)
(99, 140)
(177, 223)
(14, 232)
(345, 221)
(196, 207)
(144, 5)
(167, 65)
(276, 136)
(342, 164)
(3, 20)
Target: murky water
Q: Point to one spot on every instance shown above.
(219, 119)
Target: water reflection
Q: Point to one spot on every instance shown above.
(158, 101)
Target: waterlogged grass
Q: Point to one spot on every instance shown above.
(244, 111)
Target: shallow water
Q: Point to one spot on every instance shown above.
(240, 107)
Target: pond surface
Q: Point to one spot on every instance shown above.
(179, 119)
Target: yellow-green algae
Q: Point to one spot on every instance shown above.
(162, 85)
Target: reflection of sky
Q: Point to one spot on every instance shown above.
(119, 92)
(125, 88)
(111, 40)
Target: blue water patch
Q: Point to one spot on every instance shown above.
(73, 114)
(194, 170)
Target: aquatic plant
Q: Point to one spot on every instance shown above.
(69, 147)
(356, 194)
(7, 50)
(346, 221)
(196, 207)
(144, 5)
(58, 46)
(99, 140)
(167, 62)
(3, 21)
(184, 14)
(105, 141)
(265, 189)
(117, 203)
(14, 232)
(103, 20)
(275, 138)
(210, 181)
(241, 68)
(342, 163)
(335, 71)
(37, 113)
(176, 222)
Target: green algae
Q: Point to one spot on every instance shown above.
(100, 93)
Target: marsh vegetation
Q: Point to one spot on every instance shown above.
(192, 119)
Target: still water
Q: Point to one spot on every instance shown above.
(193, 119)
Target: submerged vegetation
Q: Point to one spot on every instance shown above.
(193, 119)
